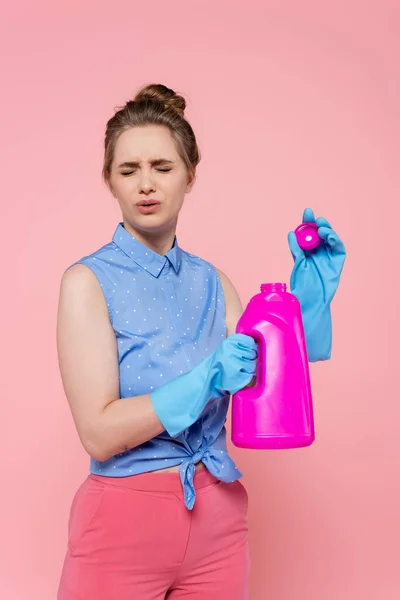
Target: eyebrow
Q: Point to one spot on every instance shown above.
(154, 162)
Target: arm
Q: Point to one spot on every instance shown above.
(233, 305)
(233, 308)
(88, 360)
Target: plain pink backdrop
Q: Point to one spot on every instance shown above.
(294, 104)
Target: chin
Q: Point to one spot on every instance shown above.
(149, 223)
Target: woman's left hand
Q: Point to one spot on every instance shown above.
(314, 281)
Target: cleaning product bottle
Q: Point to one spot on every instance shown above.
(277, 411)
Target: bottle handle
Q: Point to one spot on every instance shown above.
(258, 379)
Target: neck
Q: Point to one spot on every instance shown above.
(159, 241)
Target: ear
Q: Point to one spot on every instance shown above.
(191, 181)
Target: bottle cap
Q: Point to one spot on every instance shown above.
(307, 236)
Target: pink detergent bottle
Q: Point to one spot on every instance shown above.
(277, 411)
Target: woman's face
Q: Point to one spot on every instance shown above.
(147, 167)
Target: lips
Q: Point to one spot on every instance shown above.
(148, 207)
(148, 203)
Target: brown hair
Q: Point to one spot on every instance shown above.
(154, 104)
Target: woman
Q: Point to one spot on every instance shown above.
(149, 357)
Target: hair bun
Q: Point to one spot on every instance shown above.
(167, 97)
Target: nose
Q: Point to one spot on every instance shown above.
(147, 188)
(146, 184)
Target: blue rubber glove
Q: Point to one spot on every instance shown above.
(180, 402)
(314, 281)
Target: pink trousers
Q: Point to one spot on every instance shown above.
(132, 538)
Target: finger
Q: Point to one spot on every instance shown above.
(245, 342)
(332, 239)
(250, 370)
(295, 249)
(308, 216)
(241, 338)
(249, 355)
(321, 222)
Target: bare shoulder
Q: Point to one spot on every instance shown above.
(80, 290)
(79, 278)
(233, 304)
(82, 306)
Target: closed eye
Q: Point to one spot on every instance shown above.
(131, 172)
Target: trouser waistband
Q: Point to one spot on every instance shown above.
(157, 482)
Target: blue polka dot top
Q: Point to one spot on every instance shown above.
(168, 314)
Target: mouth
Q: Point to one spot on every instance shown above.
(148, 202)
(148, 206)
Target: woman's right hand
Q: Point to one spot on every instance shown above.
(228, 369)
(235, 363)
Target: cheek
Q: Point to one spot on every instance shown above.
(177, 196)
(124, 190)
(178, 188)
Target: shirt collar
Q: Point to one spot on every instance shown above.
(148, 259)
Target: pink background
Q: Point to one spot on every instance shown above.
(294, 104)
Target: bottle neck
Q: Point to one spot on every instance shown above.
(273, 287)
